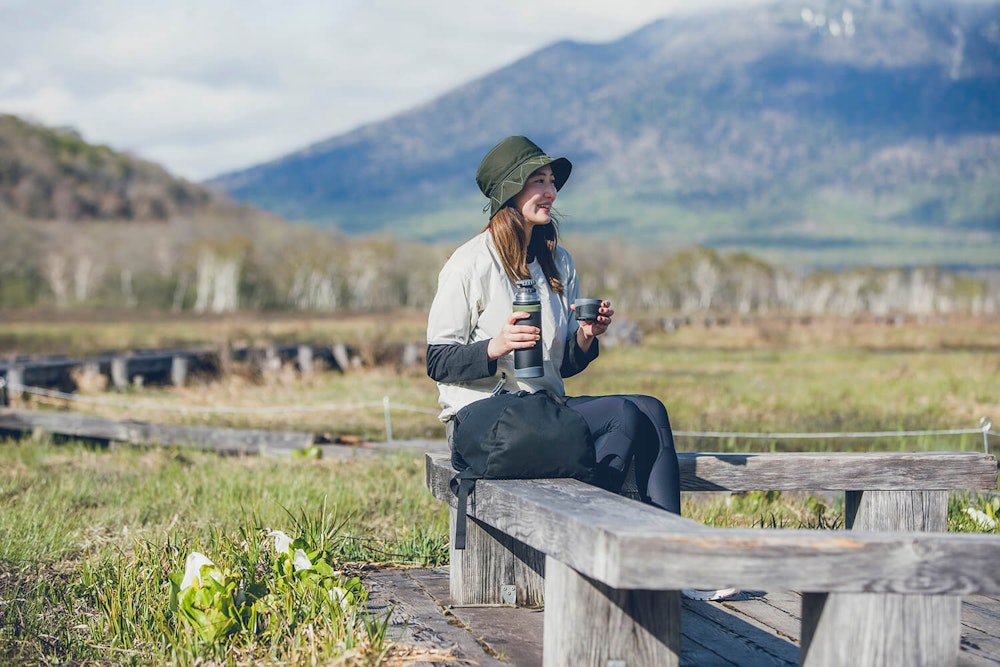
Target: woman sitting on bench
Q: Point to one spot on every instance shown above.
(472, 331)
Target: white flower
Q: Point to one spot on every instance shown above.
(301, 561)
(982, 519)
(282, 542)
(339, 595)
(192, 569)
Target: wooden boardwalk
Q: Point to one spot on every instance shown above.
(753, 629)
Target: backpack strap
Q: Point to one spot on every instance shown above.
(461, 485)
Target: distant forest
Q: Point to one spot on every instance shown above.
(207, 264)
(85, 227)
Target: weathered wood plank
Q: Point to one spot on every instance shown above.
(981, 611)
(775, 612)
(629, 545)
(417, 621)
(518, 632)
(934, 618)
(837, 471)
(979, 650)
(844, 471)
(724, 634)
(513, 633)
(913, 511)
(880, 630)
(492, 561)
(598, 625)
(222, 440)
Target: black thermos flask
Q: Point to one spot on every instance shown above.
(528, 362)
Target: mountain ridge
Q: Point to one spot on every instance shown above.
(739, 129)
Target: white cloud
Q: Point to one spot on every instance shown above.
(214, 85)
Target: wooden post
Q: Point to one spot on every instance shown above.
(880, 629)
(884, 628)
(225, 352)
(305, 360)
(340, 355)
(119, 373)
(15, 380)
(910, 511)
(178, 371)
(490, 564)
(595, 625)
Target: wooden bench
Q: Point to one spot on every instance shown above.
(609, 569)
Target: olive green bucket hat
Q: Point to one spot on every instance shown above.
(506, 167)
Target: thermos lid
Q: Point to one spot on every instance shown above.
(526, 283)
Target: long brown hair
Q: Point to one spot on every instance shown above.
(507, 230)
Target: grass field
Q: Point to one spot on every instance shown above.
(773, 375)
(90, 536)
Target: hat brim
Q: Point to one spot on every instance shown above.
(514, 182)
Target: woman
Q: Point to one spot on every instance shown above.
(471, 331)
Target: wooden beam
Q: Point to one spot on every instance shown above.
(222, 440)
(840, 471)
(628, 545)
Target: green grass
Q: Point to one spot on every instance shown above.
(89, 537)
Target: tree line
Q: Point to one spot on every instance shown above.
(253, 262)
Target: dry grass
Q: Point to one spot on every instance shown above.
(777, 374)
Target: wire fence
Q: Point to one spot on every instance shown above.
(985, 427)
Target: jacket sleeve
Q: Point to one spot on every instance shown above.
(575, 359)
(453, 316)
(459, 363)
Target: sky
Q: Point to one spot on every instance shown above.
(204, 87)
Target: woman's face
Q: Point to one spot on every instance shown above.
(535, 199)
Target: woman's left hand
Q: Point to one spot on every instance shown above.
(594, 328)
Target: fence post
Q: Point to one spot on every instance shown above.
(119, 373)
(388, 419)
(305, 358)
(14, 383)
(178, 371)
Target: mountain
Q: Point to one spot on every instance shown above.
(819, 132)
(53, 174)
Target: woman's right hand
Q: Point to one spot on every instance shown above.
(513, 336)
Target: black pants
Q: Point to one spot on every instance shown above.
(632, 429)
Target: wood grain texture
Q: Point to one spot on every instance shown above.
(840, 471)
(714, 633)
(415, 619)
(911, 511)
(880, 630)
(588, 623)
(625, 544)
(491, 560)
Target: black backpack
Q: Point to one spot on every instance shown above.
(518, 435)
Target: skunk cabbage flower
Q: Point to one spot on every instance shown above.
(192, 570)
(983, 520)
(340, 595)
(207, 599)
(301, 561)
(282, 542)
